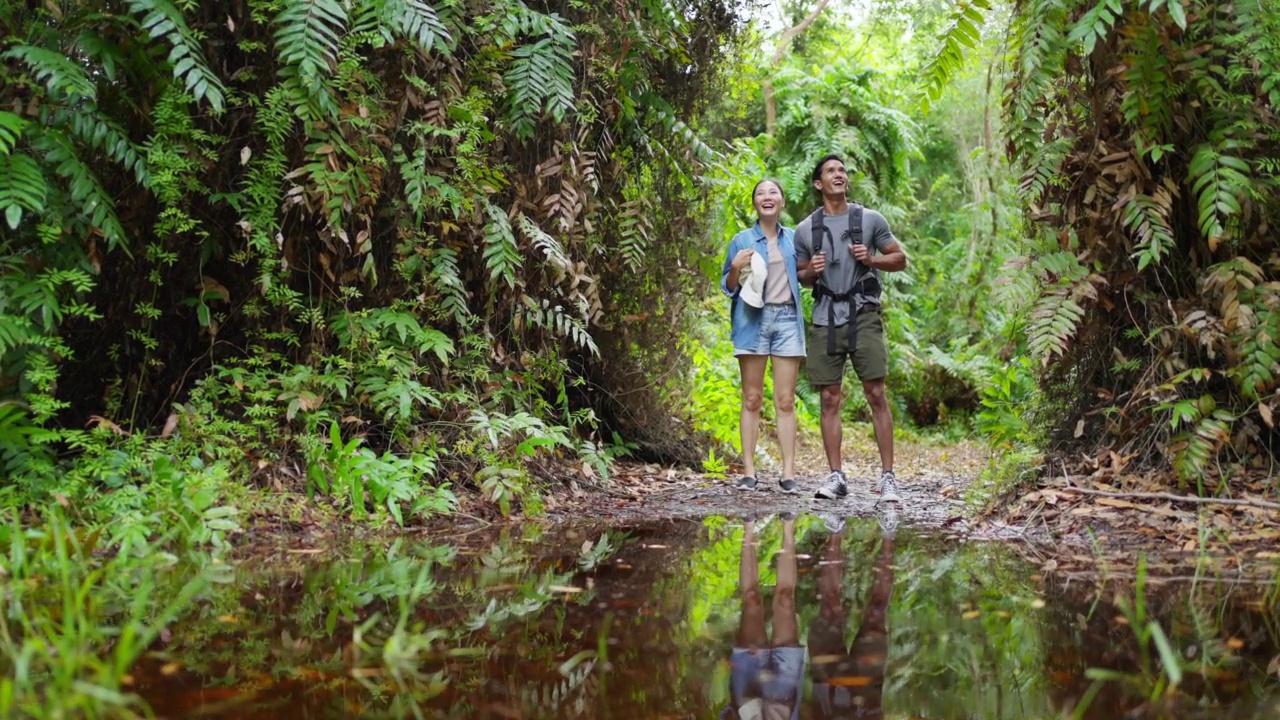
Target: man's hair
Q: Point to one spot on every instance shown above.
(817, 169)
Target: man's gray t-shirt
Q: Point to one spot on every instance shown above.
(841, 265)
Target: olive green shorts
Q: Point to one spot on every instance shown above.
(870, 357)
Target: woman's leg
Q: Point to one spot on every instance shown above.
(752, 368)
(751, 630)
(785, 371)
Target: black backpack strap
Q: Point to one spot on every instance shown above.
(855, 234)
(818, 224)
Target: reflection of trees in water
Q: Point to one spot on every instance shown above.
(650, 630)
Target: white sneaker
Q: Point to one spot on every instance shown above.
(833, 487)
(889, 488)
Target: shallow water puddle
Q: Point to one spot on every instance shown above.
(774, 618)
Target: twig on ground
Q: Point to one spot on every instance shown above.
(1262, 504)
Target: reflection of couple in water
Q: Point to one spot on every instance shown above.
(767, 675)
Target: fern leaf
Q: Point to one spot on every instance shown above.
(633, 232)
(447, 281)
(22, 187)
(549, 246)
(94, 202)
(164, 21)
(554, 318)
(11, 127)
(1095, 24)
(1218, 180)
(541, 77)
(1148, 219)
(307, 36)
(1053, 323)
(961, 32)
(419, 22)
(60, 75)
(501, 255)
(101, 133)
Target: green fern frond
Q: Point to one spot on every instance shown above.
(22, 188)
(447, 281)
(1218, 180)
(11, 127)
(1053, 323)
(1148, 219)
(1095, 24)
(549, 246)
(555, 319)
(540, 80)
(61, 76)
(95, 204)
(419, 22)
(501, 254)
(164, 21)
(633, 232)
(104, 134)
(307, 36)
(962, 32)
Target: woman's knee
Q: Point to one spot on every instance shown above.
(784, 402)
(752, 399)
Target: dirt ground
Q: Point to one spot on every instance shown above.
(1068, 533)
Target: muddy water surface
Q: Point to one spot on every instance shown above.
(777, 617)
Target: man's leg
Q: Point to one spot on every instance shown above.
(870, 648)
(785, 370)
(828, 652)
(831, 423)
(881, 420)
(871, 362)
(752, 368)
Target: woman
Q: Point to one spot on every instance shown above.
(759, 275)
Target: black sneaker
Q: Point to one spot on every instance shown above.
(791, 487)
(746, 483)
(833, 487)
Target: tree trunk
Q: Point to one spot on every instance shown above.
(779, 54)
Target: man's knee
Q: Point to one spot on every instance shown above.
(752, 399)
(831, 398)
(875, 394)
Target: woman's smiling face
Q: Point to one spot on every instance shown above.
(768, 199)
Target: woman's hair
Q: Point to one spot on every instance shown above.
(775, 183)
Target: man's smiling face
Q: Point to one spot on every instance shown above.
(833, 180)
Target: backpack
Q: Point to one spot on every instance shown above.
(865, 284)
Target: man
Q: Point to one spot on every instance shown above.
(848, 680)
(840, 252)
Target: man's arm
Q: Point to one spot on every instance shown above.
(892, 258)
(805, 270)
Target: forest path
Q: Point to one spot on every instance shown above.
(933, 477)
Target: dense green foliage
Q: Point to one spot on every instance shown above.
(851, 86)
(1146, 139)
(357, 247)
(1150, 169)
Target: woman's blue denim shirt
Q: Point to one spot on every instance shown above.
(745, 320)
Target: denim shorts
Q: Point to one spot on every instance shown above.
(779, 333)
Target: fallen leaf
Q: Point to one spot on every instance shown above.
(169, 668)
